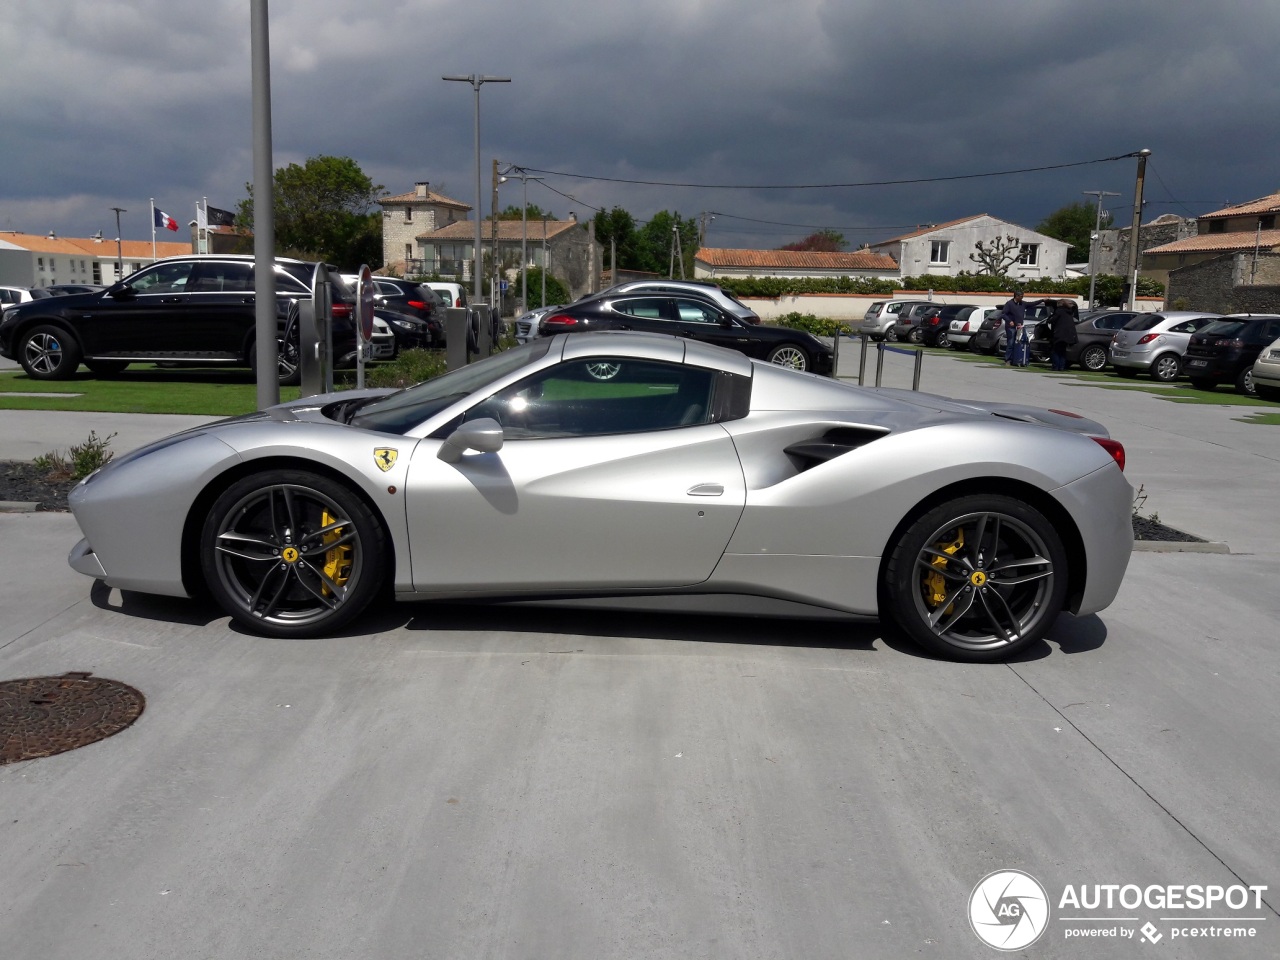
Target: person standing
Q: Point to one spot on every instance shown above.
(1062, 333)
(1014, 314)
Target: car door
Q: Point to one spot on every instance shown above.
(219, 312)
(140, 318)
(611, 476)
(704, 322)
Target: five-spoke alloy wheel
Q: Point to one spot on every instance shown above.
(48, 353)
(978, 578)
(292, 554)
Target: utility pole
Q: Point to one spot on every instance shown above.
(495, 298)
(1093, 240)
(1131, 278)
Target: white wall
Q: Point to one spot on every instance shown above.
(853, 306)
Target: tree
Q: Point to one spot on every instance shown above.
(535, 212)
(824, 241)
(1073, 224)
(996, 258)
(557, 292)
(655, 240)
(324, 210)
(619, 228)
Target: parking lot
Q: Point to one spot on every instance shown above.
(461, 781)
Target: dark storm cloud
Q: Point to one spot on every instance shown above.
(109, 103)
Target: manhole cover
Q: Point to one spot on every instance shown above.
(41, 716)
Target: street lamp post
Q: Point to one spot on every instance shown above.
(477, 80)
(1093, 239)
(119, 254)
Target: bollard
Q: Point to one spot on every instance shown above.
(915, 377)
(879, 362)
(862, 363)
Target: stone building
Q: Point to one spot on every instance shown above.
(1239, 282)
(407, 215)
(1240, 228)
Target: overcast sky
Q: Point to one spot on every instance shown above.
(106, 103)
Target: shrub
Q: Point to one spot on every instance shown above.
(410, 367)
(80, 460)
(818, 326)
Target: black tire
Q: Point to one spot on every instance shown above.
(978, 578)
(106, 368)
(943, 339)
(288, 366)
(1267, 393)
(254, 553)
(49, 352)
(915, 335)
(1244, 383)
(1127, 372)
(1202, 384)
(791, 355)
(1093, 358)
(1166, 367)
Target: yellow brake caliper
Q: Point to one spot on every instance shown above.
(337, 560)
(934, 583)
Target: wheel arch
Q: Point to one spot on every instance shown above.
(1054, 512)
(192, 578)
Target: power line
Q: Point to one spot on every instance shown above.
(831, 186)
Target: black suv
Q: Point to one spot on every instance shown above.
(196, 309)
(1224, 351)
(413, 311)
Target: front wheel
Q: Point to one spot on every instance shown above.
(1244, 382)
(289, 553)
(1166, 367)
(49, 353)
(978, 578)
(789, 355)
(1093, 358)
(915, 335)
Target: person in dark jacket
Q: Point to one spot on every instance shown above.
(1062, 333)
(1014, 315)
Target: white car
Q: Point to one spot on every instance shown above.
(9, 296)
(966, 324)
(1266, 372)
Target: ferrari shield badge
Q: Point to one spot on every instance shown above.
(385, 458)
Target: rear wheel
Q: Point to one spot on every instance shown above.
(1093, 358)
(978, 578)
(289, 553)
(943, 339)
(915, 335)
(49, 353)
(790, 355)
(1166, 367)
(1244, 382)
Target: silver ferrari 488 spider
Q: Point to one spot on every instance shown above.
(612, 466)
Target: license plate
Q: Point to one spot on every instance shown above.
(1197, 363)
(1119, 353)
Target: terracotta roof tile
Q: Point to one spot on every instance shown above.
(1267, 204)
(1210, 242)
(432, 197)
(87, 247)
(507, 230)
(923, 230)
(795, 259)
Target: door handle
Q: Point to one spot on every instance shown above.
(170, 299)
(706, 490)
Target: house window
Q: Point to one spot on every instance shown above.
(1030, 255)
(40, 260)
(1217, 226)
(1268, 222)
(408, 214)
(939, 251)
(408, 251)
(53, 265)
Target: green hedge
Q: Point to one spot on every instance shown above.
(1109, 288)
(818, 326)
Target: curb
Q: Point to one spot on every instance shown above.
(17, 506)
(1180, 546)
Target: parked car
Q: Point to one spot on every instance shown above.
(1155, 342)
(935, 328)
(1266, 372)
(990, 336)
(383, 344)
(15, 295)
(966, 323)
(409, 308)
(526, 325)
(64, 289)
(906, 329)
(195, 309)
(711, 291)
(1093, 338)
(691, 472)
(1225, 351)
(696, 318)
(881, 316)
(453, 294)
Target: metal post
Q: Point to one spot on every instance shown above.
(119, 249)
(264, 212)
(494, 295)
(862, 363)
(879, 362)
(477, 80)
(915, 376)
(1132, 275)
(1093, 240)
(544, 261)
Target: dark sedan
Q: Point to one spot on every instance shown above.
(1224, 351)
(696, 318)
(409, 308)
(1093, 336)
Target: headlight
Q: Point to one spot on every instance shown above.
(403, 323)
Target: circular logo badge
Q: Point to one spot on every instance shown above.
(1008, 910)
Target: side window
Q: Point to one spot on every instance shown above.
(164, 278)
(692, 311)
(646, 308)
(601, 396)
(1117, 322)
(215, 276)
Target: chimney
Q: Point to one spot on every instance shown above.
(420, 188)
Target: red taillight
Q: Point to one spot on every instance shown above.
(965, 328)
(458, 302)
(341, 311)
(1148, 338)
(418, 304)
(1113, 447)
(559, 322)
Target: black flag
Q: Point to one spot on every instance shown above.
(220, 218)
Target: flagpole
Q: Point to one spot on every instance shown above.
(153, 229)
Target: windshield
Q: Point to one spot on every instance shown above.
(401, 411)
(1222, 328)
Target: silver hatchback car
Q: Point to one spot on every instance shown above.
(882, 315)
(1155, 343)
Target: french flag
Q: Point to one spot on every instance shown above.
(164, 220)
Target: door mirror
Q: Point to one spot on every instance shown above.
(483, 436)
(120, 291)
